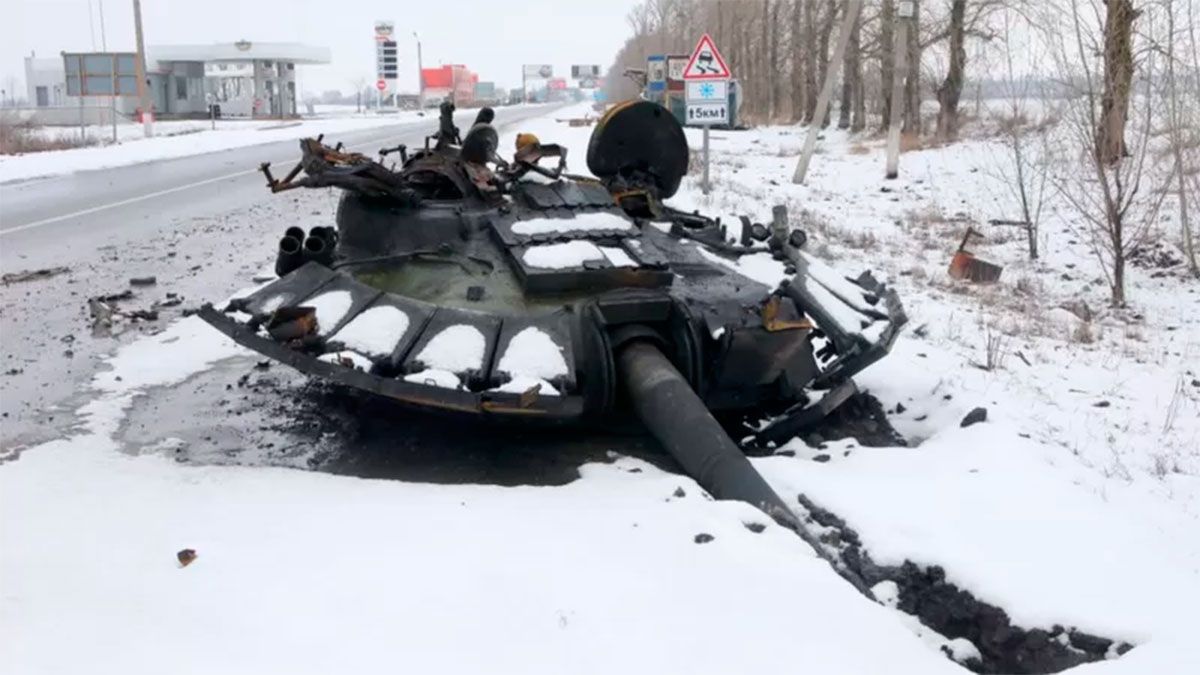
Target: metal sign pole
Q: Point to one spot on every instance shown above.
(112, 108)
(706, 94)
(112, 100)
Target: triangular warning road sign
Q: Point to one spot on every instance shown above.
(706, 62)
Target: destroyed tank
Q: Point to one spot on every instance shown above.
(455, 280)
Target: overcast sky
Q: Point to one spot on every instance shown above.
(491, 38)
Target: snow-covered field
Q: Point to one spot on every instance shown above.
(180, 138)
(1077, 503)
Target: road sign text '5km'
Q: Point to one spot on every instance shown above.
(708, 113)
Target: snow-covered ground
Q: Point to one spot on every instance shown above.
(1077, 503)
(180, 138)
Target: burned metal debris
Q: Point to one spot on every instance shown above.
(510, 290)
(32, 275)
(966, 266)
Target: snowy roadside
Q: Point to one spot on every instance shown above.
(304, 572)
(177, 139)
(1078, 502)
(184, 138)
(1054, 509)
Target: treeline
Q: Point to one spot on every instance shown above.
(1124, 76)
(781, 51)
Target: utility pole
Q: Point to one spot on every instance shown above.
(904, 12)
(112, 100)
(420, 74)
(814, 127)
(140, 69)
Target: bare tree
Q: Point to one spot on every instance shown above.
(950, 91)
(1116, 202)
(810, 58)
(776, 81)
(912, 83)
(1118, 78)
(1177, 120)
(1024, 171)
(829, 18)
(887, 59)
(852, 79)
(798, 51)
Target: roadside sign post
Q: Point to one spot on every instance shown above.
(100, 75)
(706, 79)
(386, 58)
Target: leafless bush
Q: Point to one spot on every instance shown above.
(1083, 333)
(913, 142)
(824, 252)
(995, 350)
(863, 241)
(1028, 286)
(1025, 171)
(928, 215)
(1174, 406)
(18, 137)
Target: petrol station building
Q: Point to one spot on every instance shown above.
(245, 79)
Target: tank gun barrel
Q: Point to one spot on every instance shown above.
(679, 420)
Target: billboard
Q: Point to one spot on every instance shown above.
(384, 30)
(485, 91)
(544, 71)
(557, 83)
(98, 73)
(585, 72)
(386, 60)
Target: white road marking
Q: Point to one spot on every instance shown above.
(159, 193)
(123, 202)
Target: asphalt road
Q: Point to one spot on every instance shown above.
(200, 224)
(49, 221)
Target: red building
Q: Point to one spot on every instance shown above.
(454, 81)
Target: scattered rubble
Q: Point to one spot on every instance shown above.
(33, 275)
(103, 310)
(185, 557)
(976, 416)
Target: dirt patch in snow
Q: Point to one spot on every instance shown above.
(956, 614)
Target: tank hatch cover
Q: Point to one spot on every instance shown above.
(642, 144)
